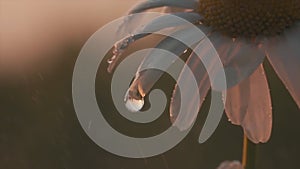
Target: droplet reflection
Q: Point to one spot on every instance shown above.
(133, 104)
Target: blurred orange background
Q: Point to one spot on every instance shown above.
(34, 34)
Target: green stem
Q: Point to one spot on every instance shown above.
(248, 158)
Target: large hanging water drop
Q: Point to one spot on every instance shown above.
(133, 104)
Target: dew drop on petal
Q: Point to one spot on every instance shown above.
(119, 48)
(133, 104)
(110, 60)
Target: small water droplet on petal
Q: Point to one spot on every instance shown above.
(110, 60)
(119, 48)
(133, 104)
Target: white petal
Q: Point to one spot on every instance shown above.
(169, 9)
(133, 21)
(186, 120)
(169, 20)
(150, 4)
(145, 79)
(230, 165)
(208, 56)
(284, 55)
(239, 57)
(146, 75)
(175, 9)
(249, 104)
(162, 22)
(158, 22)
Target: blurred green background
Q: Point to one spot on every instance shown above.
(39, 44)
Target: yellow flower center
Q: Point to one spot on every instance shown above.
(250, 18)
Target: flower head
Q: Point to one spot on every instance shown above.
(250, 18)
(244, 33)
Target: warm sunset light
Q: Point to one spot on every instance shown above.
(149, 84)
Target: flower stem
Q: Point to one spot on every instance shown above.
(245, 150)
(248, 158)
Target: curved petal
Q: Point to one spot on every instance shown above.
(249, 104)
(201, 76)
(175, 9)
(237, 65)
(150, 4)
(284, 55)
(133, 21)
(171, 20)
(148, 72)
(161, 22)
(147, 75)
(195, 63)
(240, 57)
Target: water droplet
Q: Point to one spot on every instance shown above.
(224, 98)
(119, 48)
(121, 45)
(133, 104)
(262, 72)
(110, 60)
(172, 117)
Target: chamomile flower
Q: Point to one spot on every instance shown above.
(244, 33)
